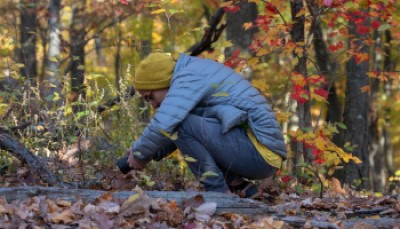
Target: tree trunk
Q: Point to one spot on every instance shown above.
(51, 86)
(376, 154)
(117, 63)
(241, 38)
(328, 69)
(302, 110)
(356, 111)
(77, 55)
(146, 31)
(387, 138)
(28, 41)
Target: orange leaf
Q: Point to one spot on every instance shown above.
(365, 89)
(247, 25)
(172, 205)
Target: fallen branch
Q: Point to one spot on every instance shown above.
(21, 153)
(15, 128)
(225, 202)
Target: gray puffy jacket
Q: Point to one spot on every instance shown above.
(210, 89)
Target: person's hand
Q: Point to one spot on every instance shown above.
(134, 163)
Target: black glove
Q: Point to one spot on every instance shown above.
(123, 165)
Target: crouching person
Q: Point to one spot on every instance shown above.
(219, 119)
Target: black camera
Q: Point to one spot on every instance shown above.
(123, 165)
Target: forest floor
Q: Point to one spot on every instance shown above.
(337, 208)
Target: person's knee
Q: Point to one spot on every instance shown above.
(189, 125)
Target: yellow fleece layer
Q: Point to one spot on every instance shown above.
(270, 157)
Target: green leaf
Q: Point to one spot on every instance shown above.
(383, 27)
(342, 126)
(332, 129)
(215, 85)
(316, 187)
(189, 159)
(209, 174)
(53, 59)
(137, 153)
(299, 189)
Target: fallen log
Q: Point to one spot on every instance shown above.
(225, 202)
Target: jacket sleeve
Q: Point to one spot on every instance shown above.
(186, 91)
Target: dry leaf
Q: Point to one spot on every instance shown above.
(65, 217)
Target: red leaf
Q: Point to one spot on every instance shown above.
(375, 24)
(335, 47)
(300, 95)
(286, 179)
(125, 2)
(319, 160)
(270, 8)
(321, 92)
(363, 30)
(231, 9)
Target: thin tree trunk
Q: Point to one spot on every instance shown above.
(387, 138)
(376, 154)
(117, 63)
(51, 86)
(302, 110)
(146, 31)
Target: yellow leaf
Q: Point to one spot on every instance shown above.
(320, 143)
(133, 198)
(262, 52)
(227, 3)
(226, 44)
(156, 37)
(356, 160)
(159, 11)
(252, 61)
(299, 80)
(40, 128)
(260, 84)
(173, 136)
(221, 94)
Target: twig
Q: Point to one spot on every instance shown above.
(211, 35)
(128, 94)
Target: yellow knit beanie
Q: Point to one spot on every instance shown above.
(154, 72)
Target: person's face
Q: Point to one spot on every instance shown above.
(154, 97)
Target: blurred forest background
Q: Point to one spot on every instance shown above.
(329, 69)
